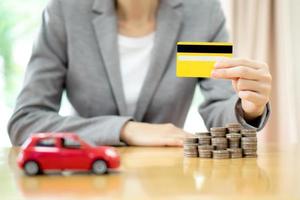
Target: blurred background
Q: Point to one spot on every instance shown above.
(267, 30)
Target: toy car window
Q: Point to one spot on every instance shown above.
(47, 142)
(70, 143)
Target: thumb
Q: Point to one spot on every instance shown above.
(234, 84)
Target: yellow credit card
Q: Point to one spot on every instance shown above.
(197, 59)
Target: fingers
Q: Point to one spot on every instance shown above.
(167, 140)
(234, 62)
(237, 72)
(173, 142)
(155, 135)
(175, 137)
(250, 85)
(161, 135)
(234, 84)
(241, 68)
(254, 97)
(247, 79)
(250, 79)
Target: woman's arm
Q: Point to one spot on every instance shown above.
(222, 103)
(39, 101)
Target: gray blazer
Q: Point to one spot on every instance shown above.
(76, 51)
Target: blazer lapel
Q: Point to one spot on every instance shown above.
(168, 26)
(105, 26)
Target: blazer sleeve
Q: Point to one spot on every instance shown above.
(39, 100)
(221, 104)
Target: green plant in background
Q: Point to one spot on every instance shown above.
(18, 19)
(6, 45)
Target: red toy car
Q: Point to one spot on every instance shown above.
(65, 151)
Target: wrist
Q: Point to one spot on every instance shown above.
(124, 132)
(249, 116)
(127, 131)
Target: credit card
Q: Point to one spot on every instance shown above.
(197, 59)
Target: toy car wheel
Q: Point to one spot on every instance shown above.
(99, 167)
(31, 168)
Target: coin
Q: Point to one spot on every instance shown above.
(234, 144)
(202, 133)
(220, 143)
(190, 147)
(218, 140)
(233, 127)
(234, 135)
(249, 132)
(249, 146)
(235, 152)
(190, 140)
(205, 153)
(249, 140)
(220, 154)
(218, 134)
(218, 131)
(204, 139)
(249, 151)
(234, 130)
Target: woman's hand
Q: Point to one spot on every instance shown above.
(144, 134)
(251, 80)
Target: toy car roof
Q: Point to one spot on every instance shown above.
(54, 135)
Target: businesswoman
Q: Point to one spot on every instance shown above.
(116, 62)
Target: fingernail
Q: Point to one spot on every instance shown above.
(213, 73)
(221, 62)
(218, 64)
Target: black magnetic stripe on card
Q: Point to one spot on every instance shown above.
(204, 48)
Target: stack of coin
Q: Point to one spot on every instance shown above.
(222, 142)
(234, 140)
(220, 154)
(205, 151)
(235, 153)
(249, 143)
(204, 139)
(218, 131)
(233, 127)
(251, 132)
(219, 143)
(190, 146)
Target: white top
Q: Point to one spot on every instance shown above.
(135, 55)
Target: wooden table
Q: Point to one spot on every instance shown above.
(163, 173)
